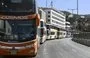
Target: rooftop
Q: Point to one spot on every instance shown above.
(46, 8)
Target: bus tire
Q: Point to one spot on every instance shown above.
(34, 55)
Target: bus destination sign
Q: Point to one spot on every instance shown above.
(14, 17)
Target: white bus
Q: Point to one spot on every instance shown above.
(43, 31)
(42, 27)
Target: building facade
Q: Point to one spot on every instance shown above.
(68, 29)
(57, 22)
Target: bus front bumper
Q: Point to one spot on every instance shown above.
(23, 52)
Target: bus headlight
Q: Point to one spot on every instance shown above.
(29, 46)
(23, 47)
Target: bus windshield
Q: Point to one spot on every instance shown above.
(19, 31)
(17, 5)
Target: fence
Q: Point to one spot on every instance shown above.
(82, 38)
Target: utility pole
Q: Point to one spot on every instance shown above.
(77, 8)
(76, 22)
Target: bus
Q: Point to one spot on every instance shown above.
(42, 27)
(53, 34)
(43, 31)
(19, 20)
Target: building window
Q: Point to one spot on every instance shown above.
(52, 33)
(48, 20)
(57, 19)
(41, 23)
(58, 15)
(48, 12)
(48, 16)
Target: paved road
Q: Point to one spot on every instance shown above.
(63, 48)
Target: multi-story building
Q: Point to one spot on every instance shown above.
(56, 21)
(68, 29)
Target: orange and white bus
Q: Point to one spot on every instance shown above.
(19, 21)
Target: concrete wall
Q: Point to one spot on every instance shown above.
(83, 38)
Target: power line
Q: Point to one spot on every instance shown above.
(72, 10)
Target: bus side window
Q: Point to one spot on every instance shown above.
(52, 33)
(41, 23)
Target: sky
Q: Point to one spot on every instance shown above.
(84, 5)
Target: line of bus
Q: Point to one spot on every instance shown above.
(22, 28)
